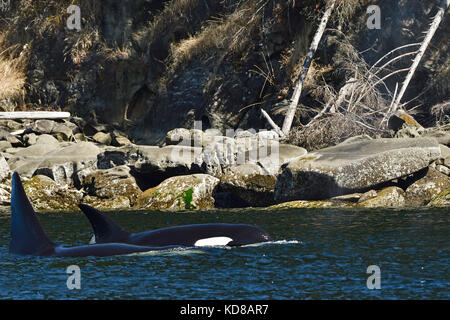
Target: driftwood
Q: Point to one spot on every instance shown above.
(272, 123)
(34, 115)
(434, 25)
(312, 49)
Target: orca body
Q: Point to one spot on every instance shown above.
(106, 230)
(29, 238)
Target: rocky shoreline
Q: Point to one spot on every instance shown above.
(67, 162)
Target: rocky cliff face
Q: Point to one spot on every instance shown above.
(148, 66)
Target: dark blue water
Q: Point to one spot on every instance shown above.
(318, 254)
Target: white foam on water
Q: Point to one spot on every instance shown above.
(168, 252)
(281, 242)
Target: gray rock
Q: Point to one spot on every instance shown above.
(445, 155)
(267, 135)
(117, 156)
(24, 167)
(442, 137)
(181, 159)
(30, 139)
(12, 125)
(441, 200)
(278, 155)
(245, 134)
(62, 131)
(55, 160)
(43, 126)
(38, 150)
(185, 137)
(103, 138)
(354, 139)
(443, 169)
(79, 137)
(388, 197)
(250, 183)
(4, 168)
(120, 141)
(353, 167)
(177, 136)
(46, 139)
(62, 164)
(367, 195)
(6, 136)
(5, 145)
(219, 154)
(423, 190)
(46, 194)
(183, 192)
(352, 197)
(112, 183)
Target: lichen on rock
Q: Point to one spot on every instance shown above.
(180, 193)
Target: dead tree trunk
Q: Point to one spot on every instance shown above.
(434, 25)
(312, 49)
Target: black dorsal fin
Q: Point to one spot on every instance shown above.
(105, 229)
(27, 235)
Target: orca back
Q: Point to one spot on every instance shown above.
(27, 235)
(105, 229)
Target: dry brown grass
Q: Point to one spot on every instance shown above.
(442, 113)
(79, 44)
(169, 18)
(229, 33)
(327, 131)
(12, 74)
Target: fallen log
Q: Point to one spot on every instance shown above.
(34, 115)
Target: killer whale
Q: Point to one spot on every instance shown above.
(29, 238)
(106, 231)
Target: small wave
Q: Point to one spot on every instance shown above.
(273, 242)
(169, 252)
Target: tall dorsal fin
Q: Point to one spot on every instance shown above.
(105, 229)
(27, 235)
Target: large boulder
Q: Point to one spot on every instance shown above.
(119, 202)
(46, 194)
(58, 161)
(441, 200)
(423, 190)
(154, 164)
(185, 137)
(114, 183)
(27, 160)
(353, 167)
(178, 193)
(4, 145)
(388, 197)
(278, 155)
(249, 183)
(103, 138)
(62, 163)
(62, 131)
(117, 156)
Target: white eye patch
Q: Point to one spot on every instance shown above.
(214, 241)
